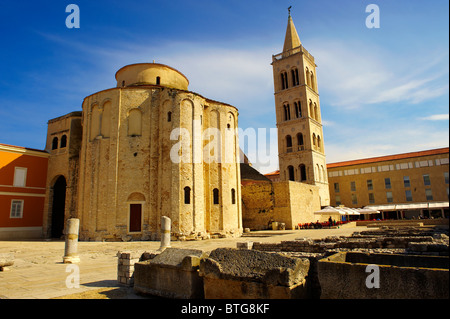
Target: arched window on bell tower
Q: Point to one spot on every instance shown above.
(287, 112)
(300, 143)
(302, 169)
(291, 173)
(288, 144)
(298, 109)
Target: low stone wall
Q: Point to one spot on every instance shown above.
(125, 265)
(345, 275)
(404, 222)
(407, 241)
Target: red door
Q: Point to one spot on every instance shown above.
(135, 217)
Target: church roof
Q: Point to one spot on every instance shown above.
(251, 174)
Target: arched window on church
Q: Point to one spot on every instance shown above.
(169, 117)
(288, 144)
(302, 169)
(291, 173)
(319, 143)
(233, 196)
(300, 142)
(96, 121)
(158, 80)
(311, 109)
(314, 141)
(135, 123)
(187, 195)
(216, 196)
(63, 141)
(324, 176)
(54, 143)
(106, 119)
(312, 81)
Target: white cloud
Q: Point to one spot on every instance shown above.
(436, 117)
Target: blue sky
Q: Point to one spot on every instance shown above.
(382, 91)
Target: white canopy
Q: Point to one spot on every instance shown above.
(330, 210)
(349, 211)
(341, 210)
(368, 211)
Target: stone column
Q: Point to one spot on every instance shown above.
(71, 249)
(165, 232)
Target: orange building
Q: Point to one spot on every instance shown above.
(23, 175)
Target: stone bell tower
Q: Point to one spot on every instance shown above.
(301, 149)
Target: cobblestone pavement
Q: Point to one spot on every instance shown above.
(39, 273)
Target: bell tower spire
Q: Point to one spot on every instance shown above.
(292, 39)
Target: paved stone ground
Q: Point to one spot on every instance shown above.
(38, 271)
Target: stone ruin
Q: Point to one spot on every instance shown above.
(248, 274)
(414, 259)
(6, 260)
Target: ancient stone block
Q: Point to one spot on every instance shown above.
(248, 274)
(171, 274)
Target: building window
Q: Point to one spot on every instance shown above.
(16, 208)
(316, 112)
(169, 117)
(300, 141)
(287, 112)
(55, 143)
(429, 194)
(63, 141)
(408, 195)
(338, 200)
(295, 80)
(216, 196)
(288, 144)
(158, 80)
(389, 197)
(354, 200)
(284, 80)
(371, 198)
(353, 186)
(233, 196)
(291, 173)
(426, 180)
(302, 172)
(446, 177)
(406, 181)
(369, 185)
(298, 109)
(387, 183)
(187, 195)
(20, 177)
(336, 187)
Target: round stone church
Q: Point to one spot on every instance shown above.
(142, 150)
